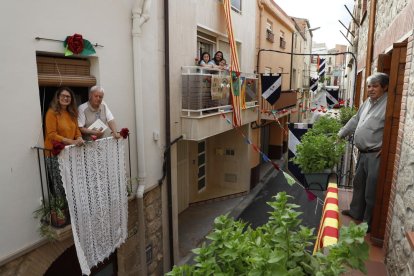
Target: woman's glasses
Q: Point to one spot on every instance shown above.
(65, 96)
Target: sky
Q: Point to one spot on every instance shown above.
(324, 14)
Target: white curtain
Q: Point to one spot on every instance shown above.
(94, 179)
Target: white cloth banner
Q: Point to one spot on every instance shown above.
(94, 179)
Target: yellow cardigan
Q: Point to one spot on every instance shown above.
(60, 125)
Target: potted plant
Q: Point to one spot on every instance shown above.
(345, 114)
(54, 213)
(59, 214)
(279, 247)
(319, 151)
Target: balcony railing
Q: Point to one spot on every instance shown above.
(270, 36)
(282, 43)
(54, 211)
(197, 97)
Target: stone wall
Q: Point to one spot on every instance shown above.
(387, 11)
(400, 256)
(153, 230)
(37, 261)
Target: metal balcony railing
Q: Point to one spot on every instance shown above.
(197, 97)
(54, 210)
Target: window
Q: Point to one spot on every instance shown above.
(282, 43)
(201, 174)
(269, 25)
(210, 43)
(205, 43)
(236, 5)
(280, 70)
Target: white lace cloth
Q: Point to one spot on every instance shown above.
(94, 179)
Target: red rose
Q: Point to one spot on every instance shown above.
(124, 133)
(94, 137)
(75, 43)
(57, 147)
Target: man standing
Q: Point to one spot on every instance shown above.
(95, 112)
(368, 125)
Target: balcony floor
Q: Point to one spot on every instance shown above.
(375, 264)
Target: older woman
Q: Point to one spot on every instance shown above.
(61, 127)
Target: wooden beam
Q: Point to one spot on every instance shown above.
(370, 44)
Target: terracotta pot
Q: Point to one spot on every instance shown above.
(58, 221)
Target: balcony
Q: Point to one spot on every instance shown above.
(286, 103)
(203, 107)
(54, 216)
(282, 43)
(270, 36)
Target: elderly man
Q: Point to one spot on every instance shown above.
(368, 125)
(96, 113)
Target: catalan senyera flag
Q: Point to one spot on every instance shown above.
(328, 233)
(236, 98)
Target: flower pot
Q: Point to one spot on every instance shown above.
(58, 221)
(319, 180)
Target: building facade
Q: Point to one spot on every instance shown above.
(39, 31)
(383, 41)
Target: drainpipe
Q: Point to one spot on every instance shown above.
(291, 62)
(167, 130)
(261, 7)
(140, 15)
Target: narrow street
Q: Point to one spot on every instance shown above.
(257, 212)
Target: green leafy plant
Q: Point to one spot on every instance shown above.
(320, 149)
(279, 247)
(317, 153)
(53, 213)
(326, 125)
(345, 114)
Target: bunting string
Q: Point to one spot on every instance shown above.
(290, 180)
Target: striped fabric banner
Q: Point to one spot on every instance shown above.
(328, 233)
(313, 84)
(321, 67)
(234, 67)
(271, 88)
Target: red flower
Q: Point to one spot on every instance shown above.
(57, 147)
(94, 137)
(75, 43)
(124, 133)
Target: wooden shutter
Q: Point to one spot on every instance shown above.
(56, 71)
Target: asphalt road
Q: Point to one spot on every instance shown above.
(257, 212)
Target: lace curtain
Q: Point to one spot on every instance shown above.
(94, 179)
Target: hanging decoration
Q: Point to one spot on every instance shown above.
(77, 45)
(290, 180)
(236, 99)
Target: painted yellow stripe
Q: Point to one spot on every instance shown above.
(331, 195)
(327, 241)
(331, 222)
(331, 207)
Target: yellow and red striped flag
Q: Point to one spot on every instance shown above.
(236, 98)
